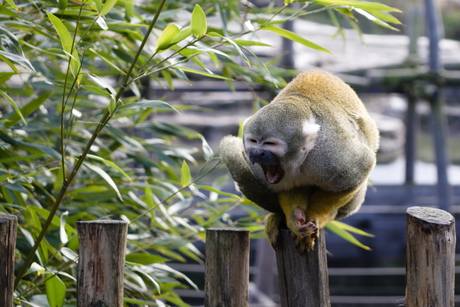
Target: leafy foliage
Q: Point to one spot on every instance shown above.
(79, 139)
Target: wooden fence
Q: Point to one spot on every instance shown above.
(303, 278)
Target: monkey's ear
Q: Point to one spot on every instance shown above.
(310, 132)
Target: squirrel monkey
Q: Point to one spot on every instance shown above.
(306, 156)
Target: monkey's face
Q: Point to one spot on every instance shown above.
(266, 152)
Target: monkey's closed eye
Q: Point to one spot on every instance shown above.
(253, 140)
(269, 143)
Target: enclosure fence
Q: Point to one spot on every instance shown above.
(303, 278)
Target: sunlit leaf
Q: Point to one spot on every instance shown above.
(30, 107)
(166, 37)
(375, 19)
(105, 176)
(157, 104)
(111, 164)
(55, 290)
(335, 228)
(62, 233)
(359, 4)
(294, 37)
(18, 60)
(191, 70)
(107, 7)
(198, 21)
(184, 33)
(186, 177)
(145, 258)
(14, 105)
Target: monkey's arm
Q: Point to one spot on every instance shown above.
(232, 153)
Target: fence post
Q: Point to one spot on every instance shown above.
(101, 263)
(8, 225)
(303, 278)
(430, 260)
(226, 268)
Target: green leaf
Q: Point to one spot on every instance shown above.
(14, 105)
(66, 42)
(105, 176)
(99, 5)
(166, 37)
(294, 37)
(157, 104)
(111, 164)
(30, 107)
(352, 229)
(358, 4)
(235, 45)
(191, 70)
(198, 21)
(18, 60)
(211, 189)
(337, 229)
(12, 4)
(375, 19)
(207, 150)
(62, 232)
(184, 33)
(186, 177)
(55, 290)
(246, 43)
(108, 5)
(103, 84)
(145, 258)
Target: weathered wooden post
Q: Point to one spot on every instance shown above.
(8, 224)
(101, 263)
(430, 260)
(226, 268)
(303, 278)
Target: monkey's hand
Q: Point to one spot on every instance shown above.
(304, 232)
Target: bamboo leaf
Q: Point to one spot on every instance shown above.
(191, 70)
(62, 233)
(18, 60)
(247, 43)
(111, 164)
(294, 37)
(14, 105)
(12, 4)
(157, 104)
(198, 21)
(352, 229)
(186, 177)
(105, 176)
(359, 4)
(30, 107)
(166, 37)
(55, 290)
(333, 226)
(145, 258)
(184, 33)
(375, 19)
(66, 42)
(211, 189)
(107, 7)
(103, 84)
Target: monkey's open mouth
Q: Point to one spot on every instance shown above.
(273, 172)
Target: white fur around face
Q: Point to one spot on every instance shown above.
(310, 131)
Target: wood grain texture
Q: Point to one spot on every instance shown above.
(227, 268)
(8, 228)
(101, 263)
(430, 262)
(303, 278)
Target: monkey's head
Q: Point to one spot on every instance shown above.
(278, 138)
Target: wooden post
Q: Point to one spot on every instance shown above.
(226, 268)
(8, 225)
(430, 260)
(101, 263)
(303, 278)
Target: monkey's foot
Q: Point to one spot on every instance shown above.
(302, 231)
(272, 224)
